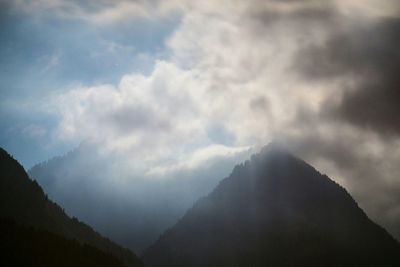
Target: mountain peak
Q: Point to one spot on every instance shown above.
(276, 210)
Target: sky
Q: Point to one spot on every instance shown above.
(166, 86)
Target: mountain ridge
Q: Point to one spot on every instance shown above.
(85, 177)
(24, 201)
(277, 210)
(26, 246)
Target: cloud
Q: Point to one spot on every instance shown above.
(153, 112)
(201, 158)
(34, 131)
(318, 76)
(99, 13)
(367, 55)
(362, 57)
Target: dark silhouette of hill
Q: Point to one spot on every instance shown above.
(24, 201)
(275, 210)
(26, 246)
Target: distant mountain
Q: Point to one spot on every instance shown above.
(275, 210)
(26, 246)
(130, 208)
(24, 201)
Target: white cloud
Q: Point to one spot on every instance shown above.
(220, 73)
(200, 158)
(104, 12)
(232, 68)
(225, 69)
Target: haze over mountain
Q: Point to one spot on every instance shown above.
(275, 210)
(162, 86)
(131, 209)
(23, 201)
(127, 111)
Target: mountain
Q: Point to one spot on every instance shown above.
(137, 208)
(275, 210)
(24, 201)
(26, 246)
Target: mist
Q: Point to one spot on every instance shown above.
(214, 82)
(132, 210)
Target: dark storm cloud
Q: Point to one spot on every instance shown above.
(291, 13)
(342, 152)
(368, 54)
(362, 50)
